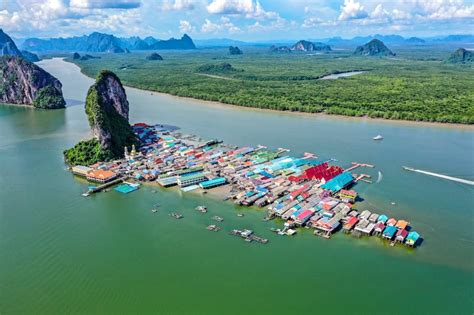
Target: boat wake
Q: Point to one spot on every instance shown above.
(454, 179)
(379, 179)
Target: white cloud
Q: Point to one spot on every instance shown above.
(224, 25)
(178, 5)
(311, 22)
(247, 8)
(105, 4)
(186, 27)
(352, 10)
(231, 6)
(65, 17)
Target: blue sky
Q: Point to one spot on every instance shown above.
(237, 19)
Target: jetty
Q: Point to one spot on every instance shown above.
(249, 236)
(102, 187)
(454, 179)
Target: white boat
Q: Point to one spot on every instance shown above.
(378, 137)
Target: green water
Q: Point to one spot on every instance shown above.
(61, 253)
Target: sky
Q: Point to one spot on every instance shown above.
(250, 20)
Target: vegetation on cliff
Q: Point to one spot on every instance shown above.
(107, 112)
(86, 152)
(49, 97)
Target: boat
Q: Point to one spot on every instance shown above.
(176, 215)
(240, 215)
(201, 209)
(154, 210)
(213, 228)
(378, 137)
(217, 218)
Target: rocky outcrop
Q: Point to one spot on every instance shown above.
(23, 82)
(30, 56)
(280, 49)
(235, 50)
(217, 68)
(373, 48)
(154, 56)
(307, 46)
(107, 110)
(7, 46)
(462, 56)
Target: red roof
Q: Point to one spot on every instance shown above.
(352, 221)
(304, 214)
(380, 226)
(403, 233)
(141, 125)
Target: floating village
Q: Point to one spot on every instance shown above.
(304, 192)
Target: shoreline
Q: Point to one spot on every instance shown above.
(315, 115)
(217, 104)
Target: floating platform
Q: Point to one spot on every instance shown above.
(126, 188)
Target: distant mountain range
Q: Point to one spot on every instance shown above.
(400, 40)
(99, 42)
(339, 41)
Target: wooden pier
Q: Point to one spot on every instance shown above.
(363, 177)
(103, 186)
(356, 165)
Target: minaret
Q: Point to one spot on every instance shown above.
(134, 152)
(125, 153)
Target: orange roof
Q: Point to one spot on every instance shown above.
(401, 224)
(101, 174)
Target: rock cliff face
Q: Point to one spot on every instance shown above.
(107, 111)
(23, 82)
(373, 48)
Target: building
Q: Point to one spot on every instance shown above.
(191, 179)
(348, 195)
(81, 170)
(101, 176)
(213, 183)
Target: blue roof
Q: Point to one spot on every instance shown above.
(414, 236)
(213, 182)
(338, 182)
(390, 231)
(383, 218)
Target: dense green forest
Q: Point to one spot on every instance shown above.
(418, 84)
